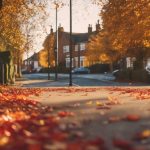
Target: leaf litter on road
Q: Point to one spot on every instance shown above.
(38, 127)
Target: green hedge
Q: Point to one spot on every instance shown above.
(133, 75)
(99, 68)
(52, 70)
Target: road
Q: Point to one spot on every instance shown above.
(40, 80)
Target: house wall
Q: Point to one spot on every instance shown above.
(77, 55)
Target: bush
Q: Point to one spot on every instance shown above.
(139, 75)
(99, 68)
(60, 69)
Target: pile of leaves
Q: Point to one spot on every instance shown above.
(138, 93)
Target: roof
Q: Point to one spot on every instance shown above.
(34, 57)
(79, 37)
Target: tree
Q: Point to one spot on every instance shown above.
(127, 29)
(14, 16)
(99, 49)
(47, 57)
(128, 26)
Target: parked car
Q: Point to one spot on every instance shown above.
(115, 72)
(81, 70)
(147, 68)
(25, 71)
(36, 70)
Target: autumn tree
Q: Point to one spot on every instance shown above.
(128, 25)
(127, 30)
(99, 50)
(14, 16)
(46, 56)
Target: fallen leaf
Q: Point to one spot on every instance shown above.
(123, 144)
(133, 117)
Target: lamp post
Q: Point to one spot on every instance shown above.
(70, 74)
(57, 6)
(56, 43)
(48, 64)
(56, 46)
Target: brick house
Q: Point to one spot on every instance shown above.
(32, 62)
(79, 41)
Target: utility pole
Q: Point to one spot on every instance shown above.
(56, 46)
(70, 75)
(48, 64)
(58, 5)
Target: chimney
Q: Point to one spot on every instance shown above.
(60, 28)
(90, 29)
(51, 29)
(98, 28)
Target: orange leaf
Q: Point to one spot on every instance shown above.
(133, 117)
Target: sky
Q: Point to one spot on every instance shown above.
(84, 13)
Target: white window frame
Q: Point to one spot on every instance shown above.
(82, 46)
(66, 48)
(82, 61)
(76, 47)
(68, 62)
(76, 61)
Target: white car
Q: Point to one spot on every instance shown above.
(147, 68)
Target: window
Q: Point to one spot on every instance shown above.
(26, 62)
(66, 48)
(82, 46)
(76, 47)
(82, 61)
(76, 62)
(68, 62)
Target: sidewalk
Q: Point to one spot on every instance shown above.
(116, 115)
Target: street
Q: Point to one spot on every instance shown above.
(40, 80)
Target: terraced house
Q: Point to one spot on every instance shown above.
(79, 46)
(79, 41)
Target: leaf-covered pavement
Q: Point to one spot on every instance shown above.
(28, 125)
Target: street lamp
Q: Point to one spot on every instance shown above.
(57, 6)
(70, 74)
(48, 64)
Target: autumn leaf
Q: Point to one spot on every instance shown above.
(123, 144)
(133, 117)
(114, 119)
(66, 114)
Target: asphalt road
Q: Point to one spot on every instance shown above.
(40, 80)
